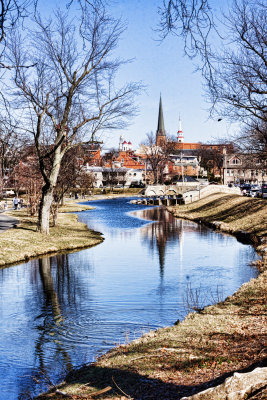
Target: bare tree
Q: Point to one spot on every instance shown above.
(72, 174)
(211, 160)
(15, 11)
(240, 88)
(11, 144)
(232, 51)
(70, 91)
(253, 140)
(193, 21)
(157, 157)
(26, 176)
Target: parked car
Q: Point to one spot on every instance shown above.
(253, 192)
(263, 191)
(245, 188)
(137, 185)
(9, 193)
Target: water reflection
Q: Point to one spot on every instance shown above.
(53, 291)
(59, 312)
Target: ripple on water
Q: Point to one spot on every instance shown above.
(59, 312)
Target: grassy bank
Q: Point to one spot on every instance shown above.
(241, 216)
(205, 348)
(24, 242)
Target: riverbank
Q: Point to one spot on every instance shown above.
(24, 242)
(243, 217)
(205, 348)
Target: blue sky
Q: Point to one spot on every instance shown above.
(162, 68)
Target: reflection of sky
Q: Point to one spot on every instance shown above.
(133, 281)
(111, 217)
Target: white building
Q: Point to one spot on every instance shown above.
(104, 176)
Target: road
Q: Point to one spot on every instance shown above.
(7, 222)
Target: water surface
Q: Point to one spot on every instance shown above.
(60, 312)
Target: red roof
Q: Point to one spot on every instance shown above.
(129, 142)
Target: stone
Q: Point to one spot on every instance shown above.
(236, 387)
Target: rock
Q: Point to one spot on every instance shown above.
(237, 387)
(217, 224)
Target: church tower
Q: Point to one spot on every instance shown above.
(160, 134)
(180, 135)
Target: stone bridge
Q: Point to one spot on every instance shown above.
(189, 191)
(165, 190)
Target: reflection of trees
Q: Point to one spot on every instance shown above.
(166, 230)
(50, 294)
(58, 291)
(56, 284)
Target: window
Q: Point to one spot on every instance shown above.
(235, 161)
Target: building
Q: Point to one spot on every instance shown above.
(114, 176)
(91, 153)
(243, 168)
(185, 163)
(160, 134)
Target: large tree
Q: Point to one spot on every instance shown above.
(70, 91)
(232, 54)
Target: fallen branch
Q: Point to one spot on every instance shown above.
(106, 389)
(125, 394)
(64, 394)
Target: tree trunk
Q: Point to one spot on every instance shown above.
(47, 194)
(54, 210)
(44, 209)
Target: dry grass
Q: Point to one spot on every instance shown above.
(202, 350)
(24, 242)
(238, 212)
(176, 361)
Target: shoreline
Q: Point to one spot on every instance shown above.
(252, 234)
(14, 241)
(24, 243)
(208, 345)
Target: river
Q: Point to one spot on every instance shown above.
(60, 312)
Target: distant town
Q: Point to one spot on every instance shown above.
(159, 160)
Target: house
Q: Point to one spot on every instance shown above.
(243, 168)
(112, 176)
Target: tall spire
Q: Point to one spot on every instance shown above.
(161, 129)
(180, 137)
(160, 134)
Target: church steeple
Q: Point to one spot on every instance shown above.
(160, 134)
(180, 136)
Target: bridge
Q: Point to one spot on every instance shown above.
(165, 190)
(181, 193)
